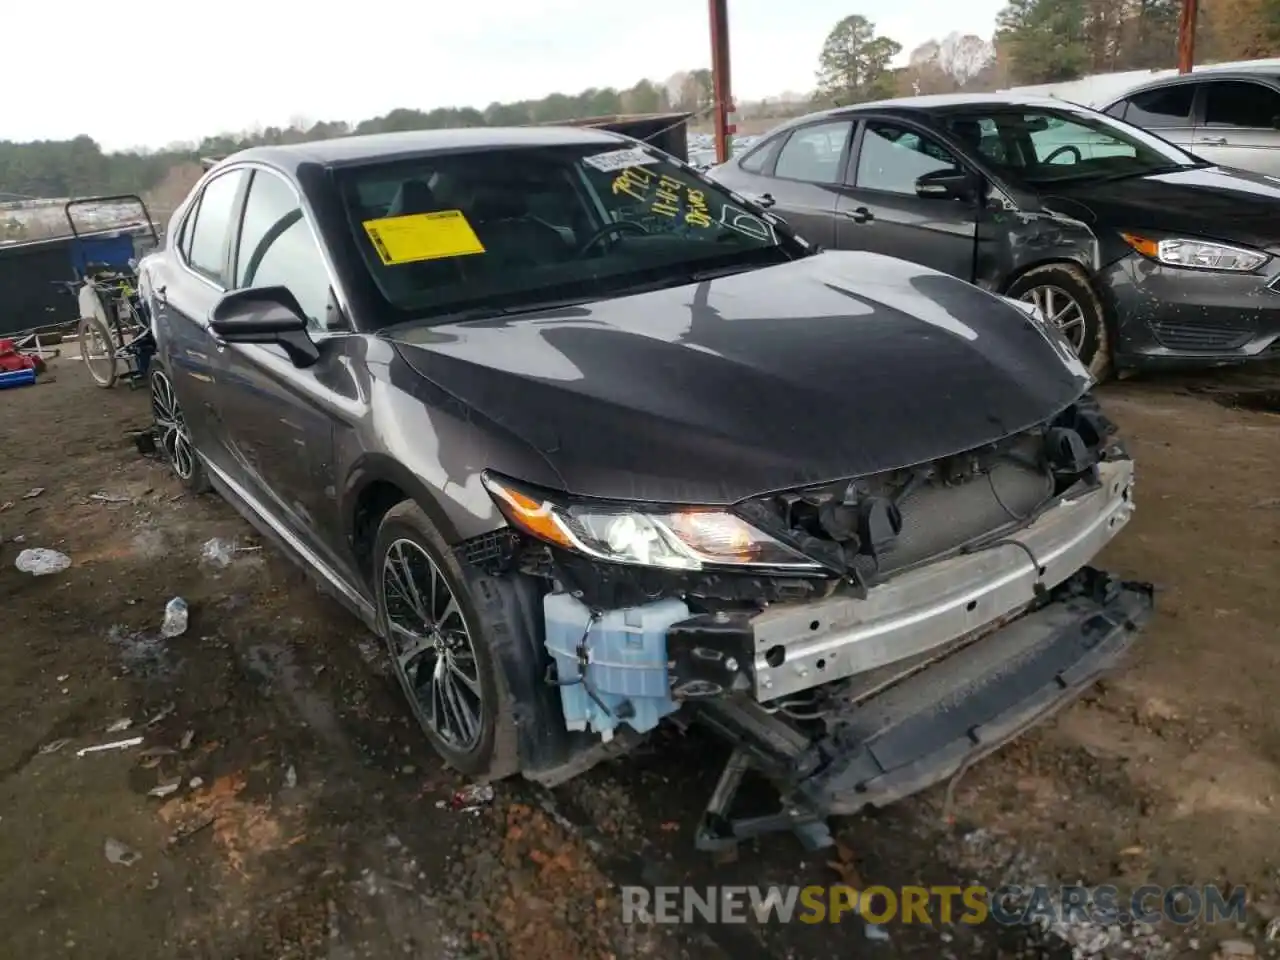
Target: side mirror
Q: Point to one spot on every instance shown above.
(265, 315)
(947, 184)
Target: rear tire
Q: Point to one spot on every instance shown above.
(98, 351)
(173, 436)
(1063, 291)
(441, 648)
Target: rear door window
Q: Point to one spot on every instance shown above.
(207, 254)
(1166, 107)
(758, 160)
(1241, 104)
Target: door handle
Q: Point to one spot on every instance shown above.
(765, 200)
(1212, 141)
(859, 215)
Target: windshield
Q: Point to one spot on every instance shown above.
(515, 228)
(1046, 146)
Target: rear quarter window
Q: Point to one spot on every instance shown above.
(758, 159)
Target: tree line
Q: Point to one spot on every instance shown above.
(1035, 41)
(79, 167)
(1042, 41)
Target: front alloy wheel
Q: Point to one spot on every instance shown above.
(1061, 309)
(1067, 299)
(434, 656)
(440, 645)
(172, 434)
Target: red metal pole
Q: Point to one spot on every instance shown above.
(722, 98)
(1187, 35)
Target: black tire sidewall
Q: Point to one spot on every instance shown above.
(85, 324)
(198, 482)
(407, 521)
(1096, 351)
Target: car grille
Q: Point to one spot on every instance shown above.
(1200, 335)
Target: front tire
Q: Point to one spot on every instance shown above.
(1067, 299)
(173, 436)
(440, 646)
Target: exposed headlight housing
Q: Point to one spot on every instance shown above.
(674, 538)
(1197, 254)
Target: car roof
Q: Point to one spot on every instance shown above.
(1264, 71)
(948, 101)
(931, 104)
(368, 148)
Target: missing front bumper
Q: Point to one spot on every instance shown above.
(925, 728)
(799, 646)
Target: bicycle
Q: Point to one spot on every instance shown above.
(114, 331)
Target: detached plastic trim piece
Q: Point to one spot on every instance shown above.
(967, 705)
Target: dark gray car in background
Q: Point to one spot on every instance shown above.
(589, 440)
(1142, 253)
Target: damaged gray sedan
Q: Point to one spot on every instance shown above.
(592, 442)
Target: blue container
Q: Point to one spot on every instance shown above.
(17, 378)
(626, 668)
(112, 249)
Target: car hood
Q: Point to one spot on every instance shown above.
(1213, 202)
(832, 366)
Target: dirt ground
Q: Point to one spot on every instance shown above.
(307, 818)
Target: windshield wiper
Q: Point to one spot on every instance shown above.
(684, 279)
(1153, 171)
(537, 306)
(483, 312)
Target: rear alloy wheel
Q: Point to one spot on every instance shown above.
(1065, 297)
(173, 437)
(438, 647)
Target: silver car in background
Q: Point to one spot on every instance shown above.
(1228, 117)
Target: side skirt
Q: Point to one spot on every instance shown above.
(326, 578)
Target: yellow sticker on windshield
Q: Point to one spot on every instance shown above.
(422, 236)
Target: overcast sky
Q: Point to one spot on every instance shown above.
(183, 71)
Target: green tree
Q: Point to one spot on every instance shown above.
(506, 114)
(600, 102)
(1151, 38)
(854, 63)
(644, 97)
(1047, 40)
(694, 90)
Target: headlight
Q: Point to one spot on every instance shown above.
(1197, 254)
(675, 538)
